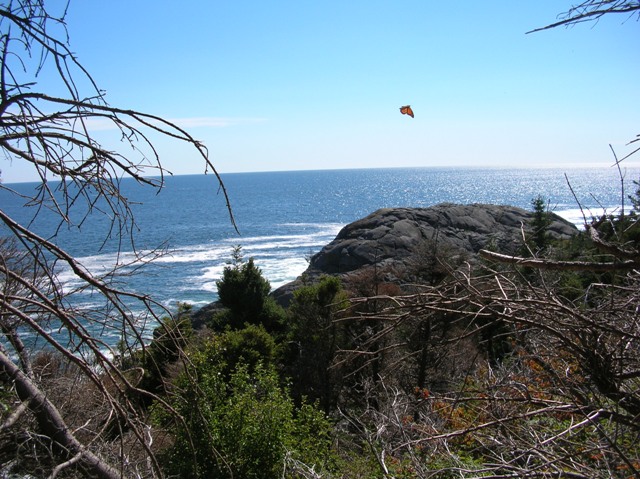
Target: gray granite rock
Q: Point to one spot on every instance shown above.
(392, 238)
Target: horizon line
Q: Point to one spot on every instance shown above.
(569, 166)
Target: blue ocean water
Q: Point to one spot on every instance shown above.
(284, 217)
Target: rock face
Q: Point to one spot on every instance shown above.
(395, 239)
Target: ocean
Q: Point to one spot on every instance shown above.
(285, 217)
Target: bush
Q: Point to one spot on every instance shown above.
(245, 293)
(313, 339)
(243, 427)
(250, 346)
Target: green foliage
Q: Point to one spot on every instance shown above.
(540, 223)
(311, 437)
(622, 230)
(6, 398)
(321, 300)
(358, 463)
(245, 293)
(254, 425)
(243, 427)
(169, 341)
(243, 290)
(313, 339)
(200, 392)
(250, 346)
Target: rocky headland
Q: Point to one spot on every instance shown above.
(400, 243)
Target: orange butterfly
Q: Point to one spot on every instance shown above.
(406, 110)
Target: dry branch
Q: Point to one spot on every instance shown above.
(592, 10)
(50, 420)
(554, 265)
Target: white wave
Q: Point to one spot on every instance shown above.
(578, 216)
(172, 303)
(195, 254)
(282, 272)
(103, 263)
(212, 272)
(324, 226)
(278, 270)
(288, 245)
(209, 287)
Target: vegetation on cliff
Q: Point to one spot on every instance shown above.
(509, 366)
(525, 363)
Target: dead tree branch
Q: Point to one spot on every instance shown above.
(553, 265)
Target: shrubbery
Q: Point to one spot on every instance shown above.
(244, 292)
(241, 427)
(239, 419)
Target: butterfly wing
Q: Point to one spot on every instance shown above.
(406, 110)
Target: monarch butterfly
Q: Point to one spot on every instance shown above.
(406, 110)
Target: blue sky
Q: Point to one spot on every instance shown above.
(290, 85)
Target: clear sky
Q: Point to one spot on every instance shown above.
(300, 84)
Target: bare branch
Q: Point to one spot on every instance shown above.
(50, 420)
(553, 265)
(51, 131)
(592, 10)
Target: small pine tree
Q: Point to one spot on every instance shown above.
(245, 293)
(540, 223)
